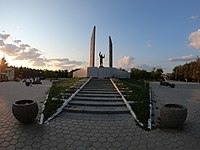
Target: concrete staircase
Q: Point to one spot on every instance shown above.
(97, 97)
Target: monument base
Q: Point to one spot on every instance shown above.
(102, 72)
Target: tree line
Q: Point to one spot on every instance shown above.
(25, 72)
(155, 74)
(187, 72)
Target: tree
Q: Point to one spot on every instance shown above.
(187, 72)
(3, 64)
(158, 73)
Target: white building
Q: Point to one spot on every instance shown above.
(8, 75)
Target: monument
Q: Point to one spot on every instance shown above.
(92, 48)
(110, 52)
(101, 72)
(101, 59)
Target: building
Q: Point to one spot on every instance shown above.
(9, 74)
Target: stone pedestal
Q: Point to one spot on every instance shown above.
(102, 72)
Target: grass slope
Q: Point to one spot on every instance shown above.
(137, 91)
(57, 87)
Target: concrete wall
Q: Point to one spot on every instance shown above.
(120, 73)
(107, 72)
(104, 72)
(80, 73)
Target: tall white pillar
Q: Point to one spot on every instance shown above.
(92, 48)
(110, 53)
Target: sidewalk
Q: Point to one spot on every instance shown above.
(82, 132)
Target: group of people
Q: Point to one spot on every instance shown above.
(29, 81)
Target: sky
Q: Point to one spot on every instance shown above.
(55, 34)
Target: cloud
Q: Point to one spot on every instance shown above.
(194, 17)
(65, 63)
(194, 39)
(39, 62)
(24, 46)
(146, 67)
(31, 54)
(35, 56)
(10, 49)
(128, 63)
(182, 58)
(17, 41)
(2, 43)
(4, 36)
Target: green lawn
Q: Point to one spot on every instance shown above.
(137, 91)
(55, 91)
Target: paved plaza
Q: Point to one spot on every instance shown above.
(81, 132)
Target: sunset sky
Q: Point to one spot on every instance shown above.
(55, 34)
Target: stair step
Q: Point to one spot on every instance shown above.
(100, 84)
(97, 89)
(100, 87)
(98, 92)
(108, 99)
(97, 103)
(97, 110)
(98, 95)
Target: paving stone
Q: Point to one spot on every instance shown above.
(69, 141)
(45, 141)
(28, 142)
(61, 146)
(11, 147)
(52, 133)
(97, 144)
(53, 144)
(106, 135)
(93, 139)
(142, 147)
(107, 145)
(128, 138)
(91, 148)
(75, 137)
(8, 138)
(84, 138)
(53, 148)
(27, 148)
(44, 147)
(81, 148)
(19, 145)
(60, 140)
(102, 139)
(98, 135)
(150, 145)
(78, 143)
(111, 139)
(101, 132)
(116, 144)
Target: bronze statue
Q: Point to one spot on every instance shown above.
(101, 59)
